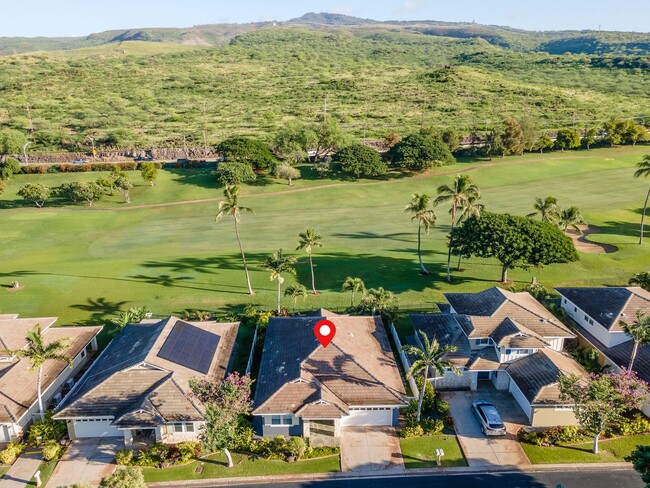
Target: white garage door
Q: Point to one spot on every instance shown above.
(95, 428)
(369, 416)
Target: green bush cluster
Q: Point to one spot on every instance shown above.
(11, 452)
(638, 424)
(569, 434)
(426, 426)
(47, 429)
(160, 455)
(124, 478)
(441, 406)
(280, 447)
(51, 450)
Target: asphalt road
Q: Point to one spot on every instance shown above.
(567, 479)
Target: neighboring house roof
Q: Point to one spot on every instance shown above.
(447, 331)
(621, 354)
(608, 305)
(299, 376)
(143, 375)
(17, 381)
(537, 375)
(485, 311)
(321, 312)
(510, 334)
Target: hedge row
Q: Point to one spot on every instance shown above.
(80, 168)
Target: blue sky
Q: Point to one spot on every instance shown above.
(80, 17)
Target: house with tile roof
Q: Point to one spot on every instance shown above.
(138, 387)
(18, 399)
(598, 313)
(305, 389)
(508, 340)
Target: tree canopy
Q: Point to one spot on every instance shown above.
(11, 141)
(420, 152)
(516, 242)
(36, 193)
(234, 173)
(246, 150)
(360, 160)
(567, 139)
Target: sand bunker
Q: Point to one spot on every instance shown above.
(584, 245)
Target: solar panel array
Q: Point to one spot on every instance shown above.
(190, 346)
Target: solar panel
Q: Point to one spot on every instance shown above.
(189, 346)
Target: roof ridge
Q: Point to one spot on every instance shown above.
(386, 387)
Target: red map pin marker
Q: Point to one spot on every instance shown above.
(325, 331)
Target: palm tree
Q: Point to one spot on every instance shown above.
(420, 211)
(644, 170)
(641, 279)
(428, 357)
(461, 189)
(468, 208)
(354, 285)
(547, 209)
(295, 292)
(639, 331)
(570, 217)
(277, 264)
(37, 352)
(230, 206)
(308, 240)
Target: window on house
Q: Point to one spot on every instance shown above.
(591, 322)
(189, 427)
(83, 354)
(508, 351)
(480, 342)
(575, 309)
(281, 420)
(564, 301)
(178, 427)
(586, 318)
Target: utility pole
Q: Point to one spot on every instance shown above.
(92, 141)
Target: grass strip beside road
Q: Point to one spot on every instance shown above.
(611, 451)
(420, 452)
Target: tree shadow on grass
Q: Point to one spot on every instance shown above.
(628, 229)
(395, 236)
(201, 177)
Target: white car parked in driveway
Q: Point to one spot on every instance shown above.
(488, 417)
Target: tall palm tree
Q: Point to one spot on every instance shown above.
(428, 357)
(419, 209)
(354, 285)
(547, 209)
(37, 352)
(308, 241)
(460, 190)
(639, 331)
(468, 208)
(570, 217)
(277, 264)
(644, 170)
(230, 206)
(295, 292)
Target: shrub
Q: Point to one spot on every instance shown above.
(296, 447)
(33, 169)
(359, 160)
(124, 478)
(187, 450)
(2, 186)
(569, 434)
(279, 444)
(315, 452)
(8, 168)
(638, 424)
(432, 426)
(250, 151)
(449, 421)
(104, 167)
(48, 429)
(11, 452)
(412, 431)
(123, 457)
(419, 152)
(145, 458)
(51, 450)
(410, 412)
(441, 406)
(234, 173)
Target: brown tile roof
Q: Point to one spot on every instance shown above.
(357, 368)
(510, 334)
(14, 330)
(608, 305)
(18, 382)
(129, 374)
(486, 359)
(537, 375)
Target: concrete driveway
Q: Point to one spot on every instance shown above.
(86, 461)
(370, 448)
(481, 450)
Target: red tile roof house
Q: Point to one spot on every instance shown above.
(18, 398)
(598, 313)
(304, 389)
(509, 340)
(138, 388)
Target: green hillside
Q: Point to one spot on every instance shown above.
(142, 94)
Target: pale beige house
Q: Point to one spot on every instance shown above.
(18, 397)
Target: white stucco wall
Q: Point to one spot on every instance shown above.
(597, 329)
(521, 399)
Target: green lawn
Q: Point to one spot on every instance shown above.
(3, 470)
(46, 468)
(215, 466)
(611, 451)
(420, 452)
(86, 265)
